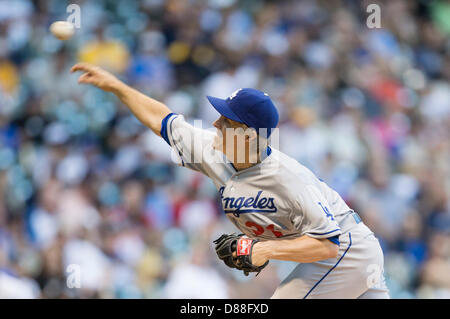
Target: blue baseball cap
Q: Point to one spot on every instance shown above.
(249, 106)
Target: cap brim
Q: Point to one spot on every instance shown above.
(222, 107)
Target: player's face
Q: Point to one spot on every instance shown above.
(221, 124)
(236, 146)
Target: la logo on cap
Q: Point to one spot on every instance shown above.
(237, 91)
(234, 93)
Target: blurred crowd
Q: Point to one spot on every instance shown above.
(83, 183)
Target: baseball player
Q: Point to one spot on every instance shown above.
(282, 209)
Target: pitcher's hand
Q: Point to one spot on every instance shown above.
(96, 76)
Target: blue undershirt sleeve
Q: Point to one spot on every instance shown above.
(334, 239)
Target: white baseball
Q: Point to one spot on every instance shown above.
(62, 30)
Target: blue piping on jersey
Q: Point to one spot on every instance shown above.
(163, 131)
(343, 255)
(326, 232)
(238, 212)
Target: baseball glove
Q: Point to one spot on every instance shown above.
(227, 244)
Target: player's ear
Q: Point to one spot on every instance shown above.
(252, 136)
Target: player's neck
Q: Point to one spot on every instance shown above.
(242, 166)
(248, 163)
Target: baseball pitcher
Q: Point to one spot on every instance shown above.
(282, 210)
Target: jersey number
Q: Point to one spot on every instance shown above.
(259, 230)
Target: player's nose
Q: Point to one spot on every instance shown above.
(218, 123)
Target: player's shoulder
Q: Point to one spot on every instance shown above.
(187, 128)
(291, 177)
(290, 170)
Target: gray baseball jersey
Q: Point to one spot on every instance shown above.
(275, 199)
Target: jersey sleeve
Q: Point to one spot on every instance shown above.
(189, 143)
(312, 215)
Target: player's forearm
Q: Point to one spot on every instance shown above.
(304, 249)
(149, 111)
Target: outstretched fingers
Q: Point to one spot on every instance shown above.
(86, 67)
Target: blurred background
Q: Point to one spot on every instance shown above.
(83, 182)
